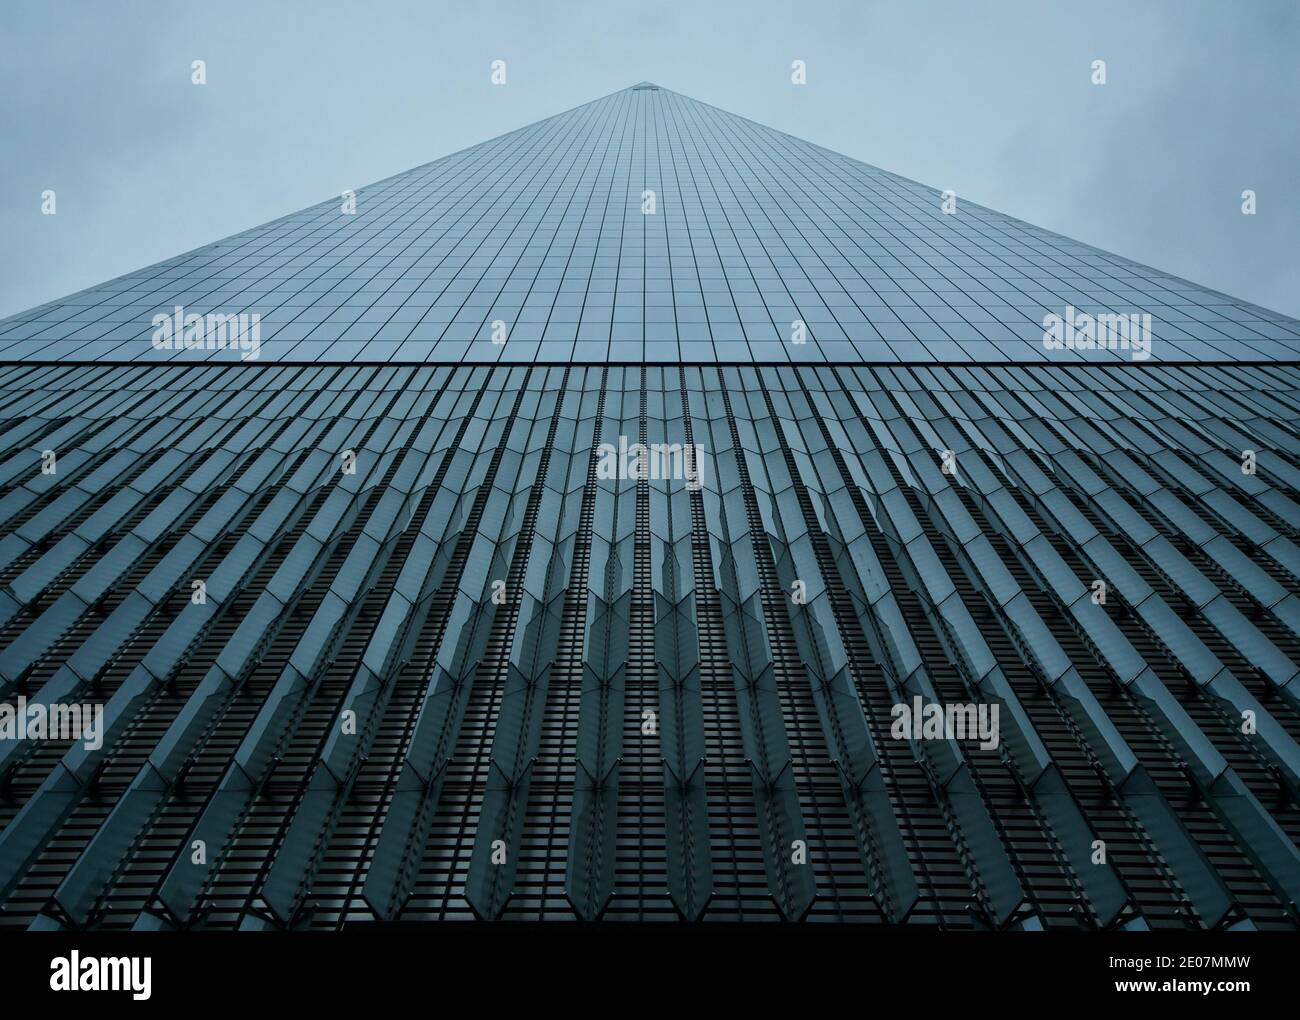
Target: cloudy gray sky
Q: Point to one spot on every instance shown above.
(993, 100)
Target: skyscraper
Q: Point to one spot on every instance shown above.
(647, 514)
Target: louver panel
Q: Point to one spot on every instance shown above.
(490, 642)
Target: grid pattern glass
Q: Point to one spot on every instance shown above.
(543, 238)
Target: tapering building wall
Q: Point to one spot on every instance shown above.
(647, 226)
(382, 619)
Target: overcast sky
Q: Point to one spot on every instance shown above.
(992, 100)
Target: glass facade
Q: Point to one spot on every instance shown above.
(647, 226)
(643, 620)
